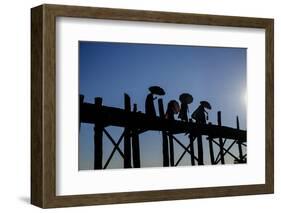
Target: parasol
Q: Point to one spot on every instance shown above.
(206, 104)
(156, 90)
(186, 98)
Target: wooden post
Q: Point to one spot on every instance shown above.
(191, 141)
(239, 142)
(171, 146)
(98, 137)
(127, 137)
(136, 145)
(165, 148)
(200, 150)
(211, 149)
(220, 139)
(81, 100)
(136, 150)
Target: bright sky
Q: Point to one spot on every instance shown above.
(109, 70)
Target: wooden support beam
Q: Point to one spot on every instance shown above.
(220, 140)
(239, 143)
(225, 151)
(200, 150)
(81, 100)
(136, 145)
(230, 146)
(98, 131)
(116, 147)
(186, 150)
(136, 150)
(119, 117)
(191, 144)
(211, 149)
(171, 146)
(127, 135)
(165, 149)
(243, 144)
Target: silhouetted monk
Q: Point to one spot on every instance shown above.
(183, 112)
(185, 99)
(149, 105)
(172, 109)
(199, 114)
(149, 102)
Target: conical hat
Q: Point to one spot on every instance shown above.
(186, 98)
(156, 90)
(206, 104)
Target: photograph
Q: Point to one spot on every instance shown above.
(161, 105)
(137, 105)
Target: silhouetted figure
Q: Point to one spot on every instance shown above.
(200, 114)
(172, 109)
(183, 112)
(149, 105)
(185, 99)
(149, 102)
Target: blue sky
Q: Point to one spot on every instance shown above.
(109, 70)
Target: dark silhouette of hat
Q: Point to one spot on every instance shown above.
(186, 98)
(156, 90)
(206, 104)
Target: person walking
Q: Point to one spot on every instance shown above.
(172, 109)
(200, 114)
(185, 99)
(149, 102)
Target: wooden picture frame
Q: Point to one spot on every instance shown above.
(43, 105)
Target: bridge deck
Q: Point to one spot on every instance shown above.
(110, 116)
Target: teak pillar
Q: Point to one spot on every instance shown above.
(81, 101)
(200, 150)
(220, 139)
(136, 145)
(211, 149)
(191, 143)
(98, 131)
(127, 135)
(171, 146)
(165, 149)
(239, 142)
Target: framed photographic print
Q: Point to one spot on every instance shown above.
(135, 106)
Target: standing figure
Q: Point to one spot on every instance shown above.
(149, 105)
(172, 109)
(185, 99)
(149, 102)
(200, 114)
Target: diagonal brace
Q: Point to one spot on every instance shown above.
(116, 147)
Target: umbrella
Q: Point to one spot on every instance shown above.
(157, 90)
(186, 98)
(206, 104)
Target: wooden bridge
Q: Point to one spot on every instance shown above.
(136, 123)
